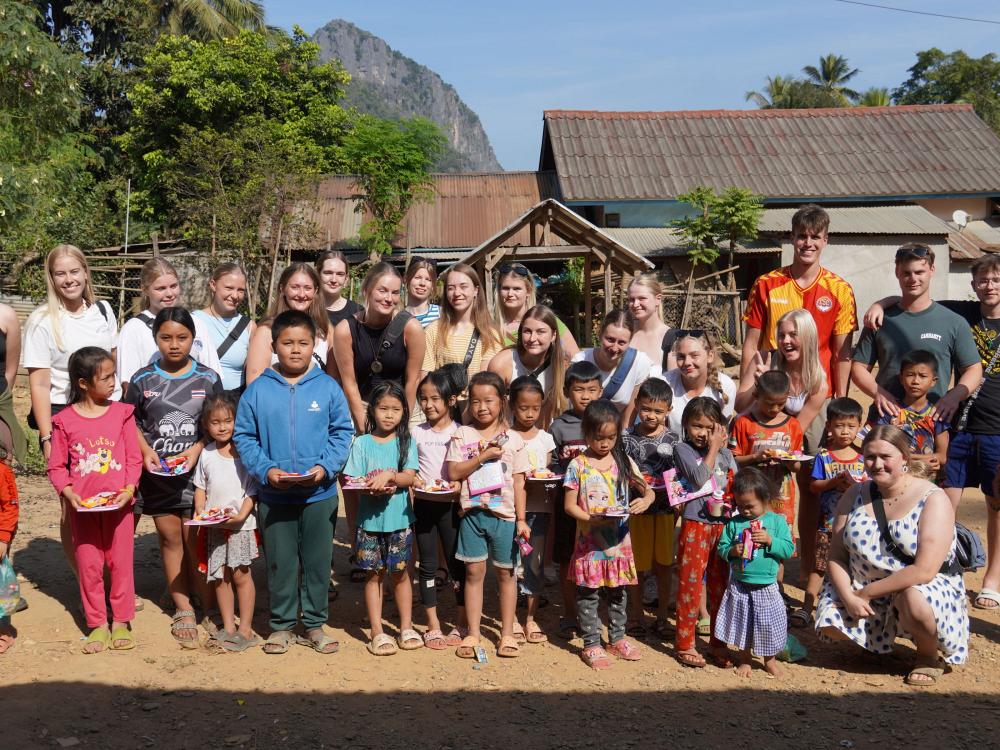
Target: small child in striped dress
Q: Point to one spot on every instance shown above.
(752, 615)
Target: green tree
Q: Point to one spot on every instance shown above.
(944, 78)
(832, 75)
(391, 161)
(788, 92)
(775, 91)
(207, 19)
(874, 97)
(718, 220)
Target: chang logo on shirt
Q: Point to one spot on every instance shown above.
(314, 406)
(935, 336)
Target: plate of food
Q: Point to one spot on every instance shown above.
(654, 483)
(172, 467)
(543, 475)
(438, 487)
(211, 517)
(783, 455)
(102, 501)
(296, 477)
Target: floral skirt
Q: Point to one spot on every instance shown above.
(229, 549)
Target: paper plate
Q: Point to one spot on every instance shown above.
(208, 522)
(98, 509)
(555, 478)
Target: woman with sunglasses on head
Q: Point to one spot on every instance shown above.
(421, 286)
(696, 374)
(538, 353)
(515, 296)
(623, 369)
(652, 336)
(464, 333)
(333, 271)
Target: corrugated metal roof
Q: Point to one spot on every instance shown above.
(963, 246)
(864, 220)
(465, 210)
(987, 232)
(940, 149)
(663, 242)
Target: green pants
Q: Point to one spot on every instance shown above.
(298, 544)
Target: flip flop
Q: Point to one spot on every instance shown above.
(318, 641)
(382, 645)
(534, 633)
(238, 643)
(97, 635)
(122, 633)
(176, 626)
(435, 640)
(278, 642)
(410, 640)
(989, 595)
(467, 648)
(687, 659)
(508, 648)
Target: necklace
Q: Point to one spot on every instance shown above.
(893, 498)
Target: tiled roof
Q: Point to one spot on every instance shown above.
(864, 220)
(939, 149)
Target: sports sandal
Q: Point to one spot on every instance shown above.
(124, 634)
(97, 635)
(596, 657)
(467, 648)
(382, 645)
(238, 643)
(930, 669)
(624, 650)
(435, 640)
(410, 640)
(177, 627)
(318, 641)
(987, 595)
(508, 648)
(278, 642)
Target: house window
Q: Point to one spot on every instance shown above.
(612, 220)
(995, 208)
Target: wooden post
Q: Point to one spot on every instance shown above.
(608, 286)
(274, 261)
(156, 244)
(687, 298)
(588, 309)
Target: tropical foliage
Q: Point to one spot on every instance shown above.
(942, 78)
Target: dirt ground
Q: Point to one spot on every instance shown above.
(162, 696)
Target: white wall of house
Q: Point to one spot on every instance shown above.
(960, 281)
(943, 208)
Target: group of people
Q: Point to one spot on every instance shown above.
(457, 438)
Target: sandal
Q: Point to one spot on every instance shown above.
(987, 595)
(410, 640)
(122, 634)
(455, 636)
(690, 659)
(177, 627)
(534, 633)
(382, 645)
(800, 618)
(318, 641)
(467, 648)
(519, 635)
(624, 650)
(97, 635)
(238, 643)
(596, 657)
(508, 648)
(278, 642)
(435, 640)
(704, 626)
(663, 629)
(929, 668)
(567, 628)
(636, 629)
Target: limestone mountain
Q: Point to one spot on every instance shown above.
(388, 84)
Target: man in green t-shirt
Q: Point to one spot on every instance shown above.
(917, 322)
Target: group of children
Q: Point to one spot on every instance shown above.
(482, 485)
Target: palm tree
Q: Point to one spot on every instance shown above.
(774, 93)
(874, 97)
(831, 75)
(207, 19)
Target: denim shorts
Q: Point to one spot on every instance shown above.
(972, 461)
(482, 535)
(384, 550)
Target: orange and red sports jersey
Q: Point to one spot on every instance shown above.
(749, 436)
(829, 299)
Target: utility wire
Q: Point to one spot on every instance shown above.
(918, 12)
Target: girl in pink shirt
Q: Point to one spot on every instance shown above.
(94, 465)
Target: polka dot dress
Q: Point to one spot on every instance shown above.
(871, 561)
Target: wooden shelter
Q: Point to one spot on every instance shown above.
(557, 233)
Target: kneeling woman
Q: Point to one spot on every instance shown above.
(876, 592)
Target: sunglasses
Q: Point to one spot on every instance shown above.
(918, 252)
(515, 268)
(683, 333)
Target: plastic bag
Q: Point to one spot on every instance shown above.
(794, 650)
(10, 591)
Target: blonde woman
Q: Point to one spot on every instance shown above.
(70, 319)
(515, 296)
(652, 336)
(160, 287)
(334, 271)
(697, 374)
(298, 289)
(465, 332)
(421, 285)
(538, 353)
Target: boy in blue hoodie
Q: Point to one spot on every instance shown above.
(293, 432)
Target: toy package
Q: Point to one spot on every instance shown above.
(679, 490)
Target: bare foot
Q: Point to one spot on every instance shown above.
(7, 637)
(744, 669)
(773, 668)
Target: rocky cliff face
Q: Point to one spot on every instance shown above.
(387, 84)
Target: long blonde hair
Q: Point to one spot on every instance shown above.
(530, 297)
(812, 374)
(651, 282)
(554, 403)
(712, 379)
(317, 310)
(54, 305)
(489, 338)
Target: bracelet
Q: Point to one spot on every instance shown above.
(45, 439)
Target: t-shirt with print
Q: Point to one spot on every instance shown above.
(829, 299)
(39, 348)
(653, 456)
(514, 460)
(936, 330)
(637, 374)
(918, 424)
(432, 449)
(168, 412)
(539, 493)
(457, 345)
(750, 436)
(691, 468)
(226, 483)
(567, 433)
(680, 399)
(984, 416)
(382, 513)
(827, 466)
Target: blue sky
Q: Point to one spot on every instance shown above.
(512, 60)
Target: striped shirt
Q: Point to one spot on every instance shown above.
(457, 346)
(426, 318)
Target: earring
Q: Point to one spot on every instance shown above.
(905, 468)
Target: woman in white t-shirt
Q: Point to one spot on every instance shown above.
(298, 289)
(615, 346)
(696, 374)
(538, 353)
(160, 287)
(652, 336)
(70, 319)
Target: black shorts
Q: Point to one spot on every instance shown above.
(564, 537)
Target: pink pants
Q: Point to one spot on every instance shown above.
(105, 539)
